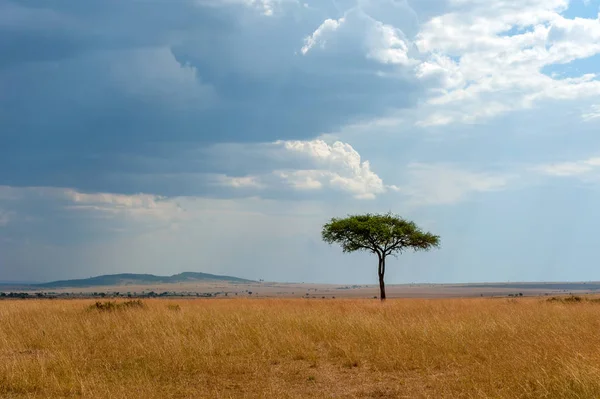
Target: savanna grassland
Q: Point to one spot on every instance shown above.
(301, 348)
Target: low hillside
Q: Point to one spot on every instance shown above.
(140, 279)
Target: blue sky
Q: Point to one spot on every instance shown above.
(163, 136)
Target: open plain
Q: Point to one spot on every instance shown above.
(301, 348)
(308, 290)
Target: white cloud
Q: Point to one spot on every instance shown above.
(340, 166)
(135, 206)
(566, 169)
(361, 34)
(436, 119)
(304, 179)
(491, 72)
(319, 165)
(442, 68)
(240, 182)
(480, 59)
(388, 45)
(446, 184)
(593, 113)
(320, 34)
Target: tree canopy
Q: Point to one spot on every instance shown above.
(382, 234)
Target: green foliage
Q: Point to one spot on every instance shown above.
(385, 234)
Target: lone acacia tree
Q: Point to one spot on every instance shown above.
(384, 235)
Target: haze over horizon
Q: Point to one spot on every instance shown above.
(219, 135)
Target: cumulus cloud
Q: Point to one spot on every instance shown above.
(342, 166)
(155, 79)
(388, 45)
(160, 83)
(367, 37)
(445, 71)
(489, 58)
(478, 59)
(318, 165)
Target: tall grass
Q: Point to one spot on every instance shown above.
(244, 348)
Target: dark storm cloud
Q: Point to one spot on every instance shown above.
(86, 88)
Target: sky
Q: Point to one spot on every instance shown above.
(162, 136)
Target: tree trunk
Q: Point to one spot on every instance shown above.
(381, 272)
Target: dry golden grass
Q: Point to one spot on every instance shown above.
(278, 348)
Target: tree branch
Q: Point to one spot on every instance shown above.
(361, 246)
(398, 244)
(376, 248)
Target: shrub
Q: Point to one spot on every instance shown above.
(137, 303)
(568, 299)
(111, 306)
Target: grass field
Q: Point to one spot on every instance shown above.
(299, 348)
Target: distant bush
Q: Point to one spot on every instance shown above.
(568, 299)
(111, 306)
(21, 295)
(134, 304)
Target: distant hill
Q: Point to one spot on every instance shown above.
(142, 279)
